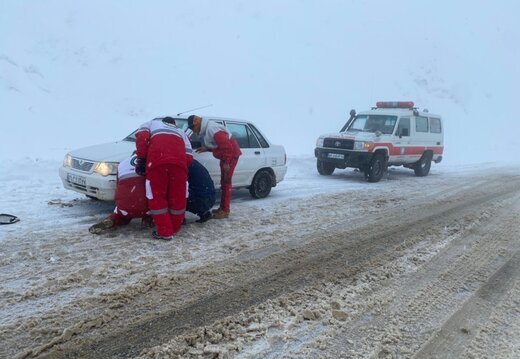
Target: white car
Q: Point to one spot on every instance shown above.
(93, 170)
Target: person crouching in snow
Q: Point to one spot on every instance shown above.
(201, 191)
(163, 155)
(223, 145)
(130, 199)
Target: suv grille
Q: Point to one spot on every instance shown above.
(82, 165)
(338, 143)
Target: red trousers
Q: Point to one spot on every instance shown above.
(226, 184)
(166, 193)
(130, 199)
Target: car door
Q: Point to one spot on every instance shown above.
(402, 140)
(420, 139)
(253, 156)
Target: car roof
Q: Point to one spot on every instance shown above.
(397, 112)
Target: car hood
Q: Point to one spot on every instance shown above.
(109, 152)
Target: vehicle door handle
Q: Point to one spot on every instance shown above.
(257, 152)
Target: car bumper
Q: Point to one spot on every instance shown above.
(280, 172)
(90, 184)
(343, 158)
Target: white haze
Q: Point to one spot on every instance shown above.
(74, 74)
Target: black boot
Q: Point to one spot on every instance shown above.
(204, 217)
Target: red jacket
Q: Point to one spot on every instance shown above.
(130, 198)
(227, 147)
(163, 143)
(218, 140)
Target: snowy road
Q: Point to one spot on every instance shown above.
(326, 267)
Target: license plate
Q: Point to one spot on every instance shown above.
(76, 179)
(339, 156)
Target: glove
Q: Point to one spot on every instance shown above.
(201, 149)
(140, 166)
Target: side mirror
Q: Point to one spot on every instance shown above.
(352, 113)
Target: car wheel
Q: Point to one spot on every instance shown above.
(261, 185)
(422, 167)
(325, 168)
(376, 168)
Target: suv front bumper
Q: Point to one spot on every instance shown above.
(343, 158)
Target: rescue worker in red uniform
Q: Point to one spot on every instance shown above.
(218, 140)
(130, 199)
(163, 154)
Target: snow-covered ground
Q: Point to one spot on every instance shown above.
(55, 276)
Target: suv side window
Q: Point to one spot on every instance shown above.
(404, 124)
(243, 135)
(421, 124)
(435, 125)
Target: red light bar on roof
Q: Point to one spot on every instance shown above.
(395, 104)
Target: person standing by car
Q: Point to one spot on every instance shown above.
(130, 199)
(163, 155)
(220, 142)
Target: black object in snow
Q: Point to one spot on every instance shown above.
(8, 219)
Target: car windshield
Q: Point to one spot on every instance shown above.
(372, 123)
(179, 122)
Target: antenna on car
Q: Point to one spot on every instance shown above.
(193, 109)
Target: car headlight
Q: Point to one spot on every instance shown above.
(67, 161)
(363, 146)
(319, 142)
(106, 168)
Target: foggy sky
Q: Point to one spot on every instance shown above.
(79, 73)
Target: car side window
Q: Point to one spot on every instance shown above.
(435, 125)
(403, 128)
(243, 135)
(421, 124)
(263, 141)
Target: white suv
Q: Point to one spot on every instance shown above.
(390, 134)
(92, 170)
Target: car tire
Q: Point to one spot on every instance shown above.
(422, 167)
(376, 168)
(261, 185)
(325, 168)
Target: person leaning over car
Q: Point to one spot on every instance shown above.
(223, 145)
(163, 155)
(130, 199)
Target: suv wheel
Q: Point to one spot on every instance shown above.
(422, 167)
(261, 185)
(376, 168)
(325, 168)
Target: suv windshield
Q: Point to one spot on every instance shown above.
(180, 122)
(372, 123)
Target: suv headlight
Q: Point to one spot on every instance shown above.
(319, 142)
(363, 146)
(106, 168)
(67, 161)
